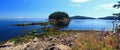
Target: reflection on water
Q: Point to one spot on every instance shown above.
(88, 24)
(59, 24)
(91, 24)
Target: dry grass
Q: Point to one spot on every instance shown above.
(92, 41)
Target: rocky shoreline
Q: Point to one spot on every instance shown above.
(67, 40)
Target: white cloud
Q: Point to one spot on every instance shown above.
(108, 6)
(75, 5)
(79, 1)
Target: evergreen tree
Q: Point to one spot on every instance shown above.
(59, 15)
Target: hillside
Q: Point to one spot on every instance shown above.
(81, 17)
(109, 18)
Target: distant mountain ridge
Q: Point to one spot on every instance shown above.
(109, 18)
(81, 17)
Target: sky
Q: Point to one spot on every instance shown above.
(43, 8)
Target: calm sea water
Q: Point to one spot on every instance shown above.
(8, 31)
(91, 24)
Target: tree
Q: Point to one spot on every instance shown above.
(117, 27)
(117, 5)
(59, 15)
(117, 14)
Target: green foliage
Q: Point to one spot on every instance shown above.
(117, 14)
(26, 38)
(50, 31)
(117, 5)
(59, 15)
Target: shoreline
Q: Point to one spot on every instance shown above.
(62, 30)
(67, 40)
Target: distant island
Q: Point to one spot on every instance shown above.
(105, 18)
(110, 18)
(81, 17)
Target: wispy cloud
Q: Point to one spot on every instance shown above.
(108, 6)
(79, 1)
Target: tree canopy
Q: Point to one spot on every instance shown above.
(117, 6)
(59, 15)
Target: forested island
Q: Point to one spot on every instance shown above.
(81, 17)
(110, 18)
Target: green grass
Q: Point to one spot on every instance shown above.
(31, 35)
(26, 38)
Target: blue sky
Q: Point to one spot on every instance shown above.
(43, 8)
